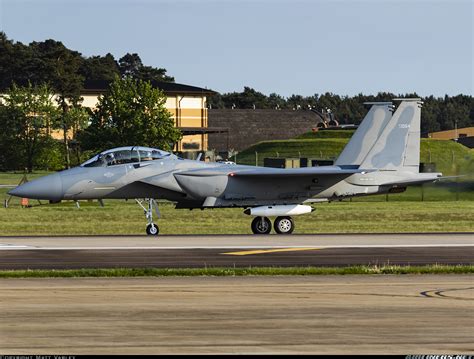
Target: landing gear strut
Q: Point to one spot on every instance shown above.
(152, 228)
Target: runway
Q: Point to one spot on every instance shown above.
(415, 314)
(238, 315)
(235, 251)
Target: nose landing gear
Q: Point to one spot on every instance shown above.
(152, 229)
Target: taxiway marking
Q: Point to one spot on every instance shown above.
(263, 251)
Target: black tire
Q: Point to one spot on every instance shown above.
(284, 225)
(261, 225)
(152, 229)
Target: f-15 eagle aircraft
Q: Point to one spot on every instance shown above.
(382, 156)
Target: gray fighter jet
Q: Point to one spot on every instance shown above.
(382, 156)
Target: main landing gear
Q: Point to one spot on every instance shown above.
(283, 222)
(152, 228)
(261, 225)
(282, 225)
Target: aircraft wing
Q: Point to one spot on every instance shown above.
(272, 172)
(247, 185)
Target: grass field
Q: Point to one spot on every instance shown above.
(120, 217)
(234, 272)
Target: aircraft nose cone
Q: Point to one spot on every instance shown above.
(48, 187)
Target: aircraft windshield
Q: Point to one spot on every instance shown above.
(123, 155)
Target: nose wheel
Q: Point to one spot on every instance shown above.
(152, 228)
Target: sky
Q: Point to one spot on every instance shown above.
(286, 47)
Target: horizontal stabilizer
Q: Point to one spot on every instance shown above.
(419, 178)
(451, 177)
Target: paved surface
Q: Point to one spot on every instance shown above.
(238, 241)
(199, 258)
(281, 315)
(239, 251)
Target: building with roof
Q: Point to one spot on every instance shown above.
(187, 104)
(464, 136)
(452, 134)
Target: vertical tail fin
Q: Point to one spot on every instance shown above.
(398, 146)
(366, 134)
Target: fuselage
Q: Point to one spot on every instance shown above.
(170, 178)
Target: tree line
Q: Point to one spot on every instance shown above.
(66, 70)
(42, 84)
(439, 113)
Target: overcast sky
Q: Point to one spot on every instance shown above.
(288, 47)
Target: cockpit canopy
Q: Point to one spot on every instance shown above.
(123, 155)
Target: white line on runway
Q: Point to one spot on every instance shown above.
(11, 247)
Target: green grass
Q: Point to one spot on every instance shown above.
(120, 217)
(461, 190)
(233, 272)
(323, 148)
(451, 158)
(326, 134)
(13, 178)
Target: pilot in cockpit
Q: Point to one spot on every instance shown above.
(147, 156)
(110, 159)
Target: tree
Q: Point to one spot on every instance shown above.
(76, 118)
(131, 113)
(6, 60)
(429, 113)
(100, 68)
(16, 63)
(61, 65)
(131, 65)
(276, 101)
(296, 102)
(215, 101)
(26, 115)
(248, 99)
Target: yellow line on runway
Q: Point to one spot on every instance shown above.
(263, 251)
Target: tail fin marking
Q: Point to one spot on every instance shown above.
(398, 147)
(366, 134)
